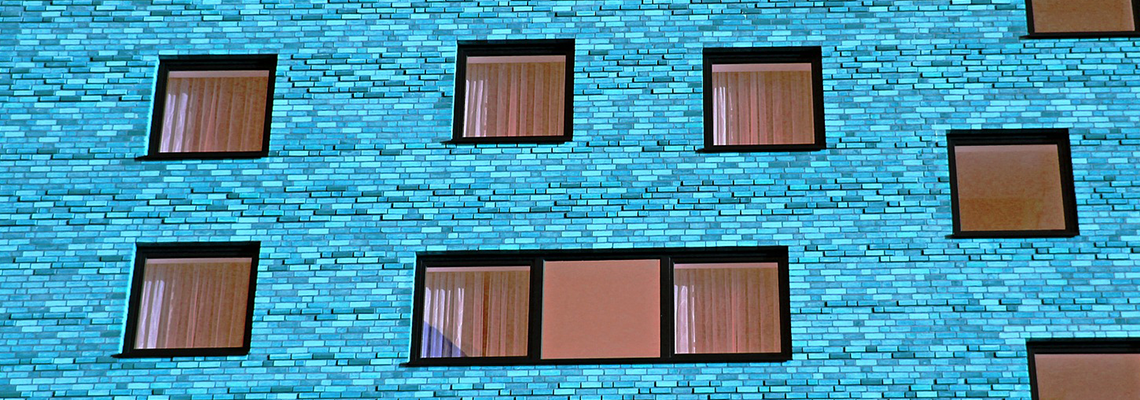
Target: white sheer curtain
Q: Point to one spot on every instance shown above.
(726, 308)
(476, 312)
(193, 303)
(515, 96)
(214, 111)
(762, 104)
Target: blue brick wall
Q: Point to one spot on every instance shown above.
(884, 305)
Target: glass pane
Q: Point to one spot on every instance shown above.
(1087, 376)
(193, 303)
(727, 308)
(760, 104)
(1082, 16)
(1009, 187)
(601, 309)
(475, 312)
(515, 96)
(214, 111)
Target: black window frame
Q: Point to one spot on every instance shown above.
(251, 62)
(145, 251)
(765, 55)
(1004, 137)
(527, 47)
(535, 258)
(1083, 34)
(1090, 346)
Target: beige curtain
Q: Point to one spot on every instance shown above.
(476, 312)
(515, 96)
(214, 111)
(726, 308)
(765, 106)
(193, 303)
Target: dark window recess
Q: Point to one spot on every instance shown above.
(212, 107)
(191, 299)
(763, 99)
(1082, 18)
(1084, 369)
(1012, 183)
(515, 91)
(611, 306)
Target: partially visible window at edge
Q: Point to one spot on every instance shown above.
(1075, 18)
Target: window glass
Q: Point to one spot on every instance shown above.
(601, 309)
(1012, 183)
(193, 303)
(191, 299)
(762, 104)
(475, 312)
(214, 111)
(212, 107)
(513, 96)
(514, 91)
(1087, 376)
(763, 99)
(1009, 187)
(1079, 16)
(726, 308)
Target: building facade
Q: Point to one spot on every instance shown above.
(362, 179)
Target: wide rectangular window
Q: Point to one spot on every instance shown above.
(514, 91)
(191, 299)
(763, 99)
(212, 107)
(1011, 183)
(613, 306)
(1084, 369)
(1082, 18)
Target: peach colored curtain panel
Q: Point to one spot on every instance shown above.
(1009, 187)
(727, 308)
(476, 312)
(214, 111)
(763, 107)
(193, 303)
(515, 96)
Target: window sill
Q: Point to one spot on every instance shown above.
(762, 148)
(204, 156)
(168, 353)
(1012, 234)
(1081, 35)
(510, 140)
(676, 359)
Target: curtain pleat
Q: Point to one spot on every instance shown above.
(512, 99)
(475, 313)
(762, 107)
(214, 114)
(193, 303)
(726, 309)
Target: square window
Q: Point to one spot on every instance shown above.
(191, 300)
(1012, 183)
(1102, 369)
(212, 107)
(601, 309)
(727, 308)
(1081, 17)
(604, 306)
(763, 99)
(514, 91)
